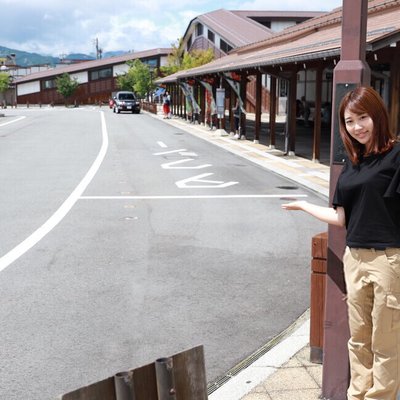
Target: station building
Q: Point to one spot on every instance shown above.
(97, 78)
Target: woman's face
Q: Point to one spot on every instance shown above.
(359, 126)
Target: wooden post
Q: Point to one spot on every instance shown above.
(317, 297)
(258, 107)
(272, 114)
(317, 115)
(395, 103)
(351, 71)
(202, 104)
(189, 381)
(291, 115)
(243, 95)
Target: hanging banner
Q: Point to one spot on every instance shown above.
(191, 103)
(234, 82)
(211, 108)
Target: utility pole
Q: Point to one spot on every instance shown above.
(99, 51)
(351, 71)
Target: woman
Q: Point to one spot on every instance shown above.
(367, 203)
(166, 105)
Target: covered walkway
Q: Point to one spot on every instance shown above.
(296, 63)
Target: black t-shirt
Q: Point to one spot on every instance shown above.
(369, 192)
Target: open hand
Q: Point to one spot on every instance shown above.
(294, 205)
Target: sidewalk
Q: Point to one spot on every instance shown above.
(283, 371)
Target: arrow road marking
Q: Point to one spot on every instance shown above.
(171, 165)
(199, 178)
(168, 152)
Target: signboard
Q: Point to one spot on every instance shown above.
(220, 102)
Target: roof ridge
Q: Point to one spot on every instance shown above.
(229, 29)
(332, 17)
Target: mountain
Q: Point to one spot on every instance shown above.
(25, 59)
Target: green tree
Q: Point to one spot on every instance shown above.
(175, 59)
(196, 58)
(179, 60)
(4, 81)
(138, 78)
(66, 86)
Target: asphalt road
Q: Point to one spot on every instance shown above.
(124, 239)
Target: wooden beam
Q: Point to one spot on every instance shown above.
(258, 107)
(317, 115)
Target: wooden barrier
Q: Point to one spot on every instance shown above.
(150, 107)
(318, 284)
(186, 374)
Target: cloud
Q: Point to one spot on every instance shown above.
(291, 5)
(59, 26)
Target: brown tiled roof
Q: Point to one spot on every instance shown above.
(279, 15)
(237, 30)
(313, 39)
(84, 66)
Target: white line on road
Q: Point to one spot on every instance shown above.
(168, 152)
(222, 196)
(14, 120)
(173, 164)
(162, 144)
(57, 217)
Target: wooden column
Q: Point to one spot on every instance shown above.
(395, 90)
(351, 71)
(202, 104)
(181, 101)
(291, 115)
(317, 116)
(272, 114)
(232, 102)
(258, 107)
(243, 95)
(317, 297)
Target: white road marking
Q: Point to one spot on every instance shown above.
(172, 165)
(57, 217)
(162, 144)
(14, 120)
(199, 178)
(178, 197)
(168, 152)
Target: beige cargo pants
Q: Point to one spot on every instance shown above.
(373, 287)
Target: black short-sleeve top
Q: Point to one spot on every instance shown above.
(369, 192)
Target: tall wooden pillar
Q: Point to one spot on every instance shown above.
(202, 104)
(232, 103)
(351, 71)
(272, 113)
(291, 115)
(317, 115)
(258, 107)
(243, 95)
(395, 89)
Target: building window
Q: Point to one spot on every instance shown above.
(151, 62)
(100, 74)
(199, 29)
(225, 47)
(48, 84)
(211, 36)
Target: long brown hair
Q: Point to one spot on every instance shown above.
(365, 100)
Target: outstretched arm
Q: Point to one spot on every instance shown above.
(329, 215)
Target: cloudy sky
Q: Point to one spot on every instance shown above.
(55, 27)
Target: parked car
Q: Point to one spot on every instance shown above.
(126, 101)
